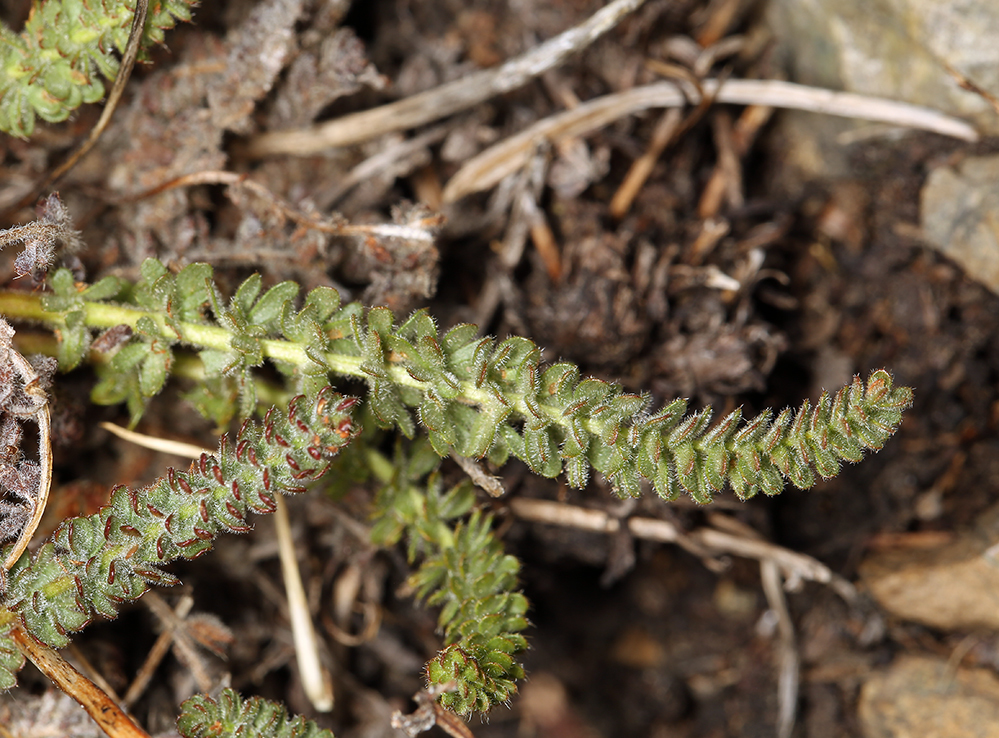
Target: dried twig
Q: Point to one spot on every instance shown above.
(524, 212)
(163, 445)
(641, 168)
(794, 567)
(787, 651)
(420, 230)
(430, 713)
(378, 163)
(184, 633)
(372, 625)
(723, 15)
(726, 180)
(158, 651)
(670, 128)
(479, 476)
(739, 139)
(711, 232)
(92, 673)
(316, 680)
(445, 100)
(498, 161)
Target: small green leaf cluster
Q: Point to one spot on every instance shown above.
(482, 617)
(167, 310)
(464, 572)
(473, 395)
(93, 564)
(231, 716)
(70, 300)
(138, 370)
(55, 64)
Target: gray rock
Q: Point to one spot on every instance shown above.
(899, 49)
(920, 696)
(949, 584)
(959, 208)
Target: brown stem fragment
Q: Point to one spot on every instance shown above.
(108, 716)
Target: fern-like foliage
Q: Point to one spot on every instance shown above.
(233, 717)
(56, 63)
(95, 563)
(473, 395)
(464, 572)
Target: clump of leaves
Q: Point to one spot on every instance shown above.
(57, 62)
(94, 564)
(230, 715)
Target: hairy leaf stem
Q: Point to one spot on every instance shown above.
(99, 315)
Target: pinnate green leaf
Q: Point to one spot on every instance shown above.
(484, 399)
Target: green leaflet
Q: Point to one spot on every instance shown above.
(11, 658)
